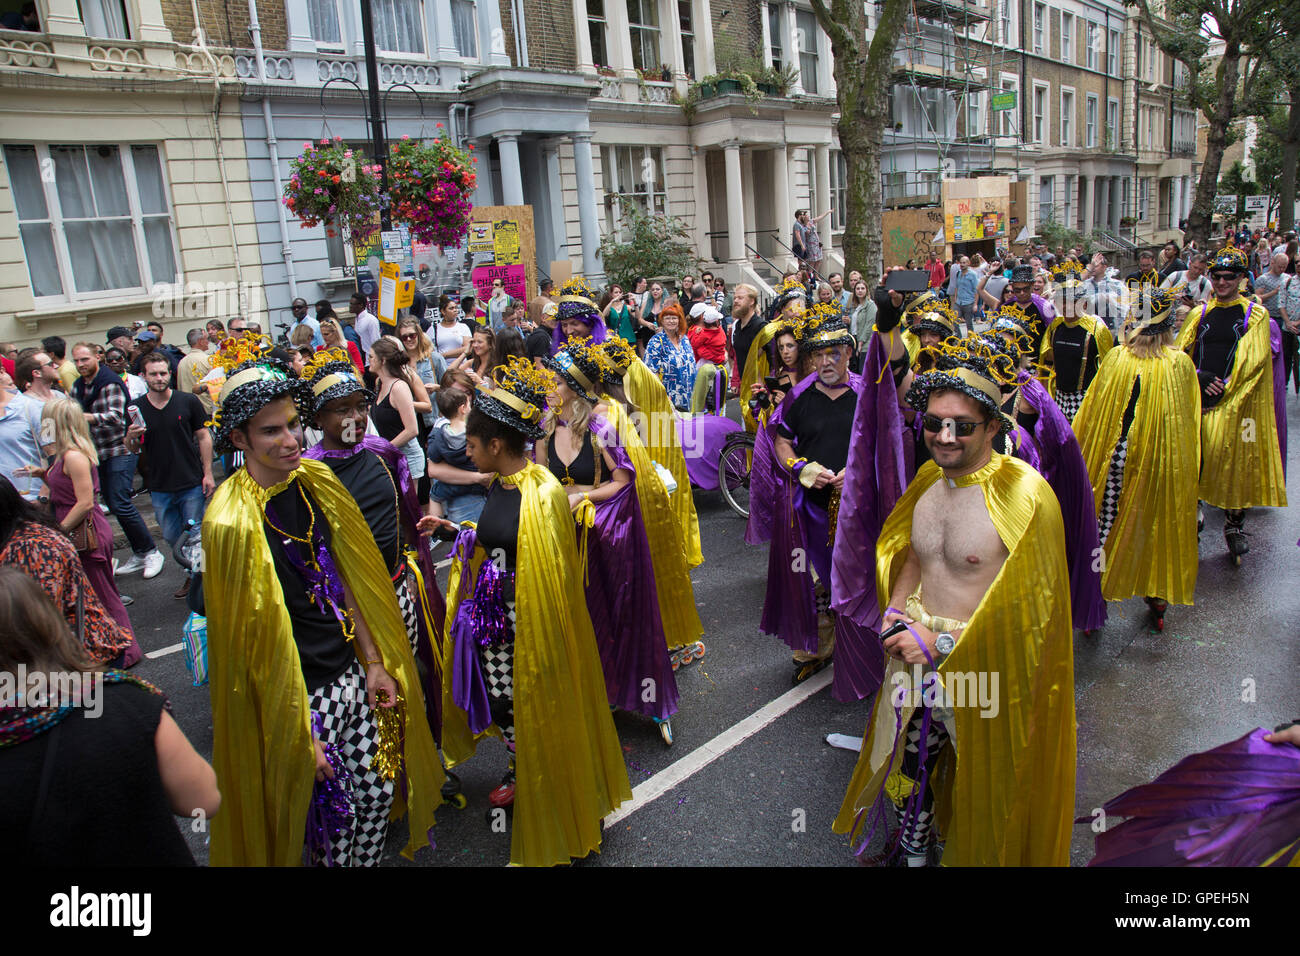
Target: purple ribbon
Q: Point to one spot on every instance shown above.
(481, 620)
(324, 585)
(330, 813)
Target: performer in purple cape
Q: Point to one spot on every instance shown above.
(1043, 438)
(582, 450)
(577, 315)
(375, 473)
(1235, 805)
(767, 492)
(811, 447)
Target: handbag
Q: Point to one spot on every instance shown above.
(83, 535)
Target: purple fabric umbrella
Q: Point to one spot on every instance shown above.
(1235, 805)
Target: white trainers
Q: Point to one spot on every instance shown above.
(129, 566)
(153, 562)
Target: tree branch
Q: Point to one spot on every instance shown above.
(835, 30)
(881, 52)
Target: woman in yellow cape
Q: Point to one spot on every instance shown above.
(568, 766)
(647, 393)
(784, 309)
(1139, 430)
(681, 619)
(263, 748)
(1082, 359)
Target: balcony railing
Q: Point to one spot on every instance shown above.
(1184, 147)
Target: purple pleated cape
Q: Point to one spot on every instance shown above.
(1054, 453)
(1235, 805)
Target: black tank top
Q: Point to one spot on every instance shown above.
(387, 419)
(583, 469)
(498, 524)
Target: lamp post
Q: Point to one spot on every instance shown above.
(378, 143)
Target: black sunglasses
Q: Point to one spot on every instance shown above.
(933, 424)
(1223, 276)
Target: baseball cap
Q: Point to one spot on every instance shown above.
(146, 336)
(117, 332)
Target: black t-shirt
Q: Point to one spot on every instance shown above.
(1216, 347)
(1069, 343)
(323, 650)
(171, 453)
(367, 478)
(105, 763)
(743, 337)
(538, 343)
(819, 428)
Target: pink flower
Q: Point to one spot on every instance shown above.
(405, 136)
(324, 142)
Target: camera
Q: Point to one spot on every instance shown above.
(759, 402)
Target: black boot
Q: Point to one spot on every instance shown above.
(1234, 533)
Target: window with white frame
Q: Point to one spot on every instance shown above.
(1148, 59)
(105, 19)
(1067, 117)
(1040, 28)
(95, 221)
(807, 30)
(596, 29)
(1090, 105)
(1144, 117)
(634, 173)
(399, 25)
(1158, 135)
(774, 35)
(1046, 200)
(643, 24)
(1004, 21)
(1067, 201)
(686, 23)
(1042, 118)
(1144, 198)
(1114, 52)
(464, 27)
(1112, 123)
(934, 118)
(1067, 37)
(974, 114)
(1126, 199)
(1010, 122)
(839, 191)
(1092, 40)
(323, 18)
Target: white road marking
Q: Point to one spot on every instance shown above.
(164, 651)
(444, 563)
(730, 738)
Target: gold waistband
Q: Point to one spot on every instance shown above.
(917, 611)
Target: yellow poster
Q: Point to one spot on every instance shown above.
(505, 242)
(480, 237)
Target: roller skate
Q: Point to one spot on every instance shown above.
(805, 669)
(1157, 608)
(451, 791)
(686, 654)
(665, 725)
(1234, 533)
(503, 797)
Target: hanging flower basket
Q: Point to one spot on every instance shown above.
(333, 184)
(429, 188)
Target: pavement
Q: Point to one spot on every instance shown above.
(765, 792)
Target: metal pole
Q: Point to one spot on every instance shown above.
(377, 140)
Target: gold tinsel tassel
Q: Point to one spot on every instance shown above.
(833, 515)
(387, 762)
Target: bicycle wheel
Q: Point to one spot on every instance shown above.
(733, 471)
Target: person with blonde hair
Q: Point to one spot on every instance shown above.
(425, 361)
(332, 333)
(73, 481)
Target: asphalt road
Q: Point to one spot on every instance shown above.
(1143, 701)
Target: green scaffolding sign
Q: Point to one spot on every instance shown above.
(1003, 101)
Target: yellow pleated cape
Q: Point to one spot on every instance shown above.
(1096, 330)
(677, 609)
(261, 716)
(1151, 550)
(647, 393)
(1241, 462)
(1009, 799)
(569, 767)
(757, 367)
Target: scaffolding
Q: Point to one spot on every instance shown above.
(947, 56)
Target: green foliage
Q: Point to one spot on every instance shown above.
(733, 55)
(1056, 235)
(654, 244)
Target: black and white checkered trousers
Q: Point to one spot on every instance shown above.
(1069, 403)
(917, 831)
(348, 723)
(409, 605)
(498, 672)
(1114, 487)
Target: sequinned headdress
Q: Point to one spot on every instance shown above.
(822, 327)
(970, 366)
(788, 291)
(1230, 258)
(923, 302)
(1152, 312)
(253, 379)
(578, 366)
(1067, 270)
(329, 375)
(577, 301)
(516, 396)
(616, 357)
(937, 317)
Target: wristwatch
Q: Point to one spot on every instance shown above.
(944, 643)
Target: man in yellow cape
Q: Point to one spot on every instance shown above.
(1073, 346)
(1140, 432)
(1235, 347)
(569, 769)
(262, 714)
(980, 751)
